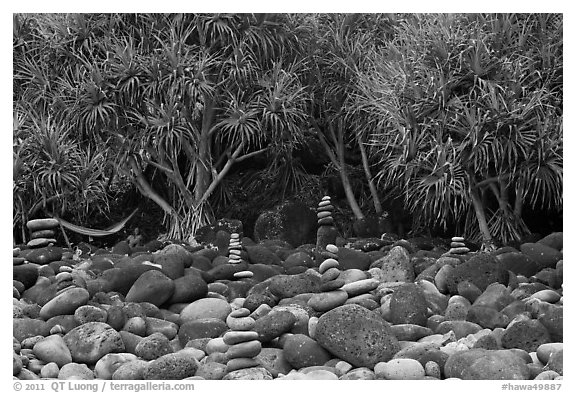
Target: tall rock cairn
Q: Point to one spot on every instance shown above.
(327, 232)
(42, 232)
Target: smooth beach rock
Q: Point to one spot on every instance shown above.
(353, 259)
(556, 362)
(110, 363)
(410, 332)
(496, 296)
(39, 224)
(53, 349)
(356, 335)
(328, 300)
(27, 274)
(211, 371)
(201, 328)
(251, 374)
(302, 351)
(361, 286)
(44, 255)
(460, 328)
(75, 371)
(518, 263)
(543, 255)
(247, 349)
(131, 370)
(171, 366)
(485, 364)
(206, 308)
(544, 351)
(423, 352)
(399, 369)
(152, 287)
(89, 342)
(234, 337)
(65, 303)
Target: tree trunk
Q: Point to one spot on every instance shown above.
(481, 217)
(366, 165)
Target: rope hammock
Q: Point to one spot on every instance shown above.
(96, 232)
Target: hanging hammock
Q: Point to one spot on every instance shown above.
(96, 232)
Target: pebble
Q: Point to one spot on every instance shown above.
(361, 286)
(235, 337)
(75, 371)
(53, 349)
(328, 264)
(399, 369)
(65, 303)
(244, 274)
(327, 300)
(247, 349)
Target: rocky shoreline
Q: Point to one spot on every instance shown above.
(358, 309)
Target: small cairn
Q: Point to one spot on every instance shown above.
(42, 232)
(332, 295)
(235, 249)
(235, 256)
(242, 342)
(457, 246)
(326, 233)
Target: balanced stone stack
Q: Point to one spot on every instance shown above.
(326, 233)
(243, 344)
(235, 256)
(42, 232)
(235, 249)
(332, 295)
(457, 246)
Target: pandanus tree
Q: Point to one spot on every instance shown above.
(467, 115)
(340, 48)
(182, 97)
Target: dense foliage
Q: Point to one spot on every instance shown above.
(459, 116)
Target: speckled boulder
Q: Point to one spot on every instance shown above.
(274, 325)
(527, 335)
(171, 366)
(153, 346)
(357, 335)
(89, 342)
(396, 266)
(480, 364)
(273, 360)
(408, 305)
(23, 328)
(285, 286)
(250, 374)
(553, 321)
(481, 270)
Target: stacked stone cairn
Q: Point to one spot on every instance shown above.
(235, 256)
(42, 232)
(326, 233)
(242, 342)
(457, 246)
(332, 295)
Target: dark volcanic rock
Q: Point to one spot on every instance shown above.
(302, 351)
(408, 305)
(274, 325)
(153, 287)
(486, 364)
(518, 263)
(292, 222)
(261, 255)
(543, 255)
(527, 335)
(481, 270)
(207, 234)
(356, 335)
(285, 286)
(27, 274)
(353, 259)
